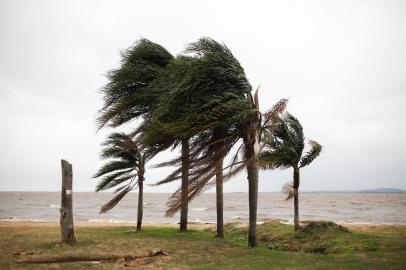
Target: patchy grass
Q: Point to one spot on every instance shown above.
(316, 237)
(322, 245)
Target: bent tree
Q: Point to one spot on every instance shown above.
(284, 149)
(125, 171)
(217, 111)
(203, 84)
(128, 95)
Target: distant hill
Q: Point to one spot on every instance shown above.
(376, 190)
(383, 190)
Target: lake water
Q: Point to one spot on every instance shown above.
(338, 207)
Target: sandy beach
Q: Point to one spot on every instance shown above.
(192, 225)
(39, 224)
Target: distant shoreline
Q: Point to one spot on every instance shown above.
(371, 191)
(202, 225)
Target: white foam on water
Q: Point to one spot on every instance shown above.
(287, 222)
(15, 219)
(199, 209)
(110, 220)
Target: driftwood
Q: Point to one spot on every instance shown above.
(129, 260)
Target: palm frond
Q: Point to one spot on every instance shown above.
(106, 182)
(115, 200)
(127, 95)
(296, 131)
(113, 166)
(311, 155)
(288, 190)
(270, 160)
(272, 116)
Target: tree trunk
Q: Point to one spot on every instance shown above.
(66, 221)
(296, 182)
(140, 200)
(252, 141)
(219, 199)
(252, 170)
(185, 182)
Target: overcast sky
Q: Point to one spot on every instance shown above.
(341, 63)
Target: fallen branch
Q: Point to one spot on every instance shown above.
(71, 258)
(129, 260)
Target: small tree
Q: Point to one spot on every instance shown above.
(128, 96)
(125, 170)
(283, 148)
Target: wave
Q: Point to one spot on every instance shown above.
(54, 206)
(198, 221)
(15, 219)
(286, 222)
(199, 209)
(110, 220)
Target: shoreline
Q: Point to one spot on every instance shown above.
(194, 225)
(98, 224)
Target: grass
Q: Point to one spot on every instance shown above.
(319, 246)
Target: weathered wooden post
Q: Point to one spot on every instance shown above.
(67, 231)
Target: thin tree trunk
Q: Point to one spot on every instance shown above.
(296, 182)
(252, 144)
(252, 170)
(219, 199)
(140, 200)
(185, 182)
(66, 220)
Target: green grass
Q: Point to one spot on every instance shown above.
(320, 246)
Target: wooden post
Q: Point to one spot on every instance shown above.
(67, 231)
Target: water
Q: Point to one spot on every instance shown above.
(338, 207)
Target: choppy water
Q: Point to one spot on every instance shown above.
(338, 207)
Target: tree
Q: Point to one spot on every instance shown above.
(129, 96)
(202, 86)
(215, 108)
(157, 132)
(125, 170)
(284, 149)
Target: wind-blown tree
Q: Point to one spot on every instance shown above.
(246, 157)
(210, 80)
(168, 108)
(284, 149)
(217, 110)
(128, 95)
(125, 171)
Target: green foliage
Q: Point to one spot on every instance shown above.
(205, 100)
(314, 151)
(122, 170)
(284, 146)
(127, 95)
(201, 92)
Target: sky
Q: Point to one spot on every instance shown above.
(342, 64)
